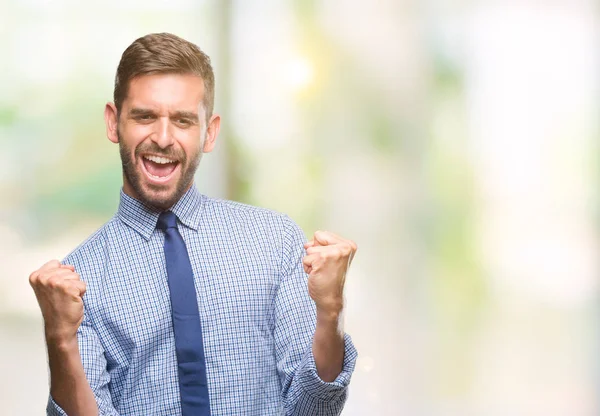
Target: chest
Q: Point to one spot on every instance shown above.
(235, 285)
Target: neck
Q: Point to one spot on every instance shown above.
(129, 190)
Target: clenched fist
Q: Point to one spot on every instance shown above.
(59, 291)
(328, 257)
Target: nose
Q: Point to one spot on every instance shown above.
(162, 134)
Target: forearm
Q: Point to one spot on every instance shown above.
(68, 385)
(328, 345)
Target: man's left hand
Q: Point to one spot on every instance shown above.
(328, 257)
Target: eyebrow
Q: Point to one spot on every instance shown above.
(140, 111)
(137, 111)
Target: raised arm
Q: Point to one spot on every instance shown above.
(59, 291)
(327, 261)
(315, 359)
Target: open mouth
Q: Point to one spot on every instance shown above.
(159, 168)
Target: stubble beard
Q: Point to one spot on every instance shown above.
(152, 195)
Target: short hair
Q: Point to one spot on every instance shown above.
(164, 53)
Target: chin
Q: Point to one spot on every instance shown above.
(159, 200)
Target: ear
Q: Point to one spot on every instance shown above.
(212, 131)
(112, 122)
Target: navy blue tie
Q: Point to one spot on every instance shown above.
(193, 386)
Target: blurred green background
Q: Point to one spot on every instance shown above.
(454, 141)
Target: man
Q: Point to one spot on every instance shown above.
(192, 305)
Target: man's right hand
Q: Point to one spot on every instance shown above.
(59, 292)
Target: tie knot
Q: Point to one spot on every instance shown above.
(166, 220)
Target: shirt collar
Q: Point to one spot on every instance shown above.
(143, 218)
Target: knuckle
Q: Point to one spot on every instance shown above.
(55, 282)
(33, 278)
(72, 290)
(42, 279)
(51, 282)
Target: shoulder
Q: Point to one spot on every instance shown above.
(227, 210)
(254, 220)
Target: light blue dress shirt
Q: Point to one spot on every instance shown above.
(257, 317)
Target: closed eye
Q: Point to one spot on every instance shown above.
(144, 117)
(184, 122)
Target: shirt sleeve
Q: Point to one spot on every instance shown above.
(94, 365)
(303, 391)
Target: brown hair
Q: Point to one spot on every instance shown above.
(164, 53)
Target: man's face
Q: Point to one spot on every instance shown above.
(161, 131)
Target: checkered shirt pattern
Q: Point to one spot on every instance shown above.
(257, 317)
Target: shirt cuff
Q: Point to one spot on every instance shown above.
(53, 409)
(327, 391)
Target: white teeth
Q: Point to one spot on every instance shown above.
(158, 159)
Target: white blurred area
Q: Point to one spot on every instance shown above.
(455, 142)
(533, 117)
